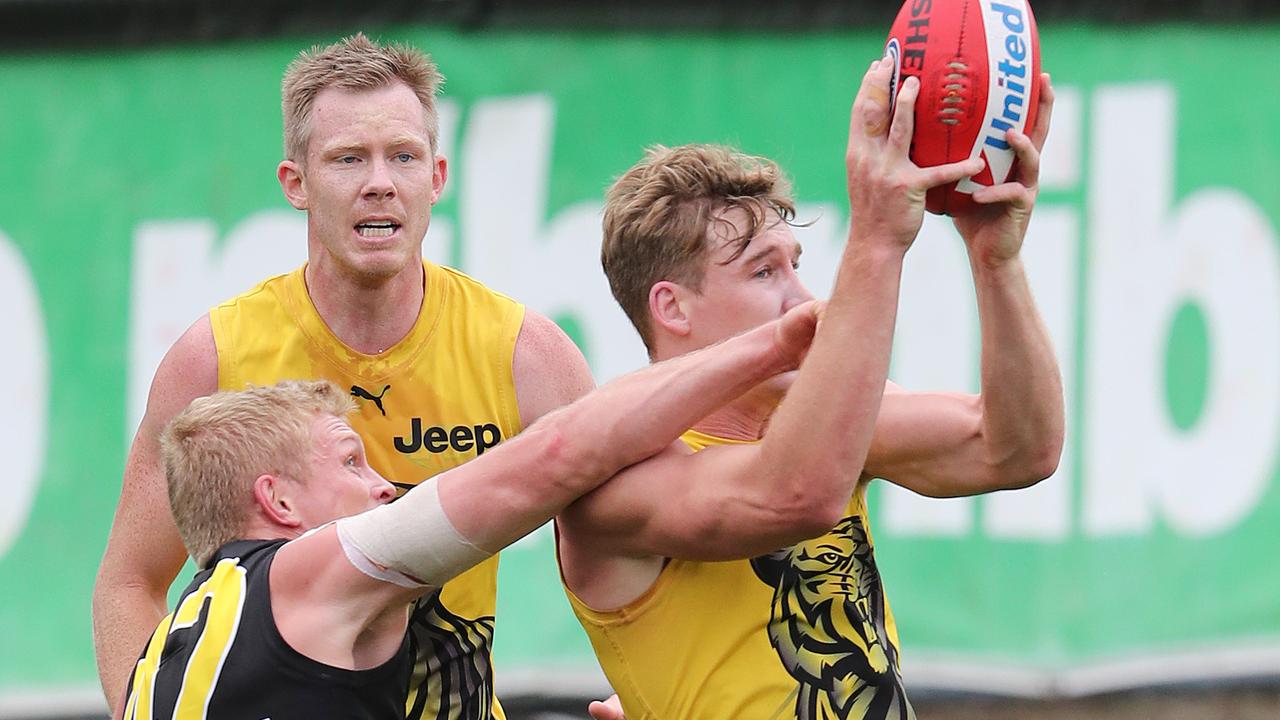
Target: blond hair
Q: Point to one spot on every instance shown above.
(657, 217)
(215, 449)
(354, 63)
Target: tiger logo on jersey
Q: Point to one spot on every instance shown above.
(452, 673)
(828, 626)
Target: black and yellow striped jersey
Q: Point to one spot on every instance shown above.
(220, 655)
(441, 396)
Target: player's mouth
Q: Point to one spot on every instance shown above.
(374, 229)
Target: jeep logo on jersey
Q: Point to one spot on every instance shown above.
(437, 439)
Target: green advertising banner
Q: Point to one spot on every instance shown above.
(139, 189)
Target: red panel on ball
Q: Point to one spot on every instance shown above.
(978, 62)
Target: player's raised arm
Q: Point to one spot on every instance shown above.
(144, 552)
(1011, 434)
(741, 500)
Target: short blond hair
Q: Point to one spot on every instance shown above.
(215, 449)
(354, 63)
(657, 218)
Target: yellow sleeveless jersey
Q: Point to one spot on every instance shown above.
(441, 396)
(801, 633)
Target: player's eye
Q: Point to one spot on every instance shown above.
(404, 157)
(352, 460)
(348, 159)
(764, 272)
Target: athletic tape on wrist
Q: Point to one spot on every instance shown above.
(411, 537)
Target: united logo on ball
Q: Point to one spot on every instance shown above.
(978, 62)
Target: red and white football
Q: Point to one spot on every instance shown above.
(978, 62)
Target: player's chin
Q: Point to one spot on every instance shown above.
(384, 263)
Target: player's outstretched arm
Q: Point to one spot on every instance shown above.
(1010, 435)
(572, 450)
(144, 551)
(738, 501)
(345, 585)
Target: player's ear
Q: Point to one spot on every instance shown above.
(668, 309)
(290, 175)
(439, 174)
(273, 496)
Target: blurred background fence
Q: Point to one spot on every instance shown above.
(138, 142)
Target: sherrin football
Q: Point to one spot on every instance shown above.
(978, 62)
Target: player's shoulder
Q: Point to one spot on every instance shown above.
(545, 345)
(269, 289)
(462, 282)
(548, 368)
(188, 370)
(191, 363)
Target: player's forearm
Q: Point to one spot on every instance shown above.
(571, 451)
(125, 613)
(639, 414)
(818, 439)
(1022, 404)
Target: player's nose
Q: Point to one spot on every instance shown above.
(378, 184)
(382, 490)
(797, 293)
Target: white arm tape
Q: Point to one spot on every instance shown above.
(409, 542)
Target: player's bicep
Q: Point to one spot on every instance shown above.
(930, 442)
(697, 506)
(144, 546)
(320, 573)
(547, 368)
(144, 543)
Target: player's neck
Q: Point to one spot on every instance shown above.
(260, 528)
(369, 317)
(746, 418)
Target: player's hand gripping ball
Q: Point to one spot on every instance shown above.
(978, 62)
